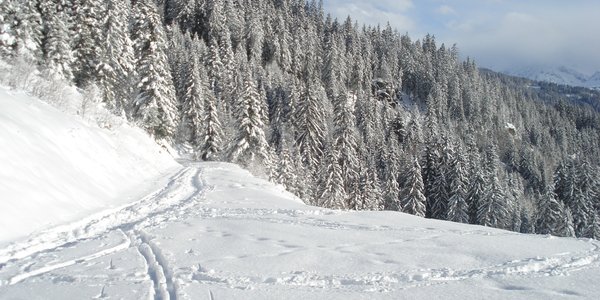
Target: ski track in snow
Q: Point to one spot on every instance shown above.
(184, 197)
(184, 190)
(388, 281)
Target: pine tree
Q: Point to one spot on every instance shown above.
(331, 185)
(213, 133)
(493, 210)
(192, 106)
(345, 139)
(89, 48)
(286, 173)
(593, 228)
(573, 186)
(392, 189)
(7, 34)
(550, 219)
(458, 209)
(27, 28)
(119, 60)
(440, 192)
(57, 50)
(413, 200)
(477, 192)
(250, 145)
(155, 105)
(310, 122)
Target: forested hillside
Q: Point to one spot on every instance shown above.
(343, 115)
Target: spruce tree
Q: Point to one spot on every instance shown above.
(331, 185)
(57, 49)
(250, 146)
(493, 210)
(550, 219)
(458, 209)
(119, 57)
(213, 133)
(89, 47)
(192, 106)
(413, 200)
(155, 105)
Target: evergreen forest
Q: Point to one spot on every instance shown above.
(343, 115)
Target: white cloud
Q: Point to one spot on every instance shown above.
(445, 10)
(375, 12)
(519, 38)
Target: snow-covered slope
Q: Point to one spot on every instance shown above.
(216, 232)
(559, 75)
(594, 81)
(56, 168)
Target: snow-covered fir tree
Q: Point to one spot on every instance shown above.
(250, 146)
(413, 199)
(155, 105)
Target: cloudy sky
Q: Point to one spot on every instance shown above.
(499, 34)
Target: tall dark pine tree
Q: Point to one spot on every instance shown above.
(155, 105)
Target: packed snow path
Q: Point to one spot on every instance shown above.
(216, 232)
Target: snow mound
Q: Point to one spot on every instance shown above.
(58, 168)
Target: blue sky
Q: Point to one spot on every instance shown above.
(499, 34)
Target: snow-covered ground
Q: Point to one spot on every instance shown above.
(213, 231)
(216, 232)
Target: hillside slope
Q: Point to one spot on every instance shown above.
(57, 168)
(216, 232)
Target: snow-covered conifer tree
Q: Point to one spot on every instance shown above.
(458, 209)
(57, 47)
(549, 214)
(89, 47)
(331, 192)
(413, 199)
(250, 145)
(213, 133)
(155, 105)
(119, 58)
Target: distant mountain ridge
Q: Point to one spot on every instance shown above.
(559, 75)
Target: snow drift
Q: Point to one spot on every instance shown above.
(56, 167)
